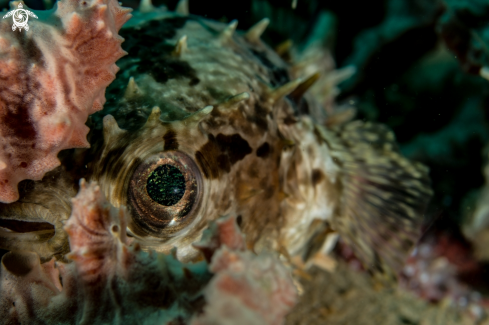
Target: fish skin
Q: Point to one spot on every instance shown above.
(261, 156)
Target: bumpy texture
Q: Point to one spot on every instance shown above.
(220, 106)
(51, 78)
(234, 123)
(347, 297)
(42, 209)
(111, 282)
(227, 102)
(442, 267)
(107, 282)
(246, 288)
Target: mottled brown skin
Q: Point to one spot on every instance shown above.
(260, 155)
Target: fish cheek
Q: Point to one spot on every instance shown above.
(220, 153)
(170, 139)
(206, 158)
(258, 193)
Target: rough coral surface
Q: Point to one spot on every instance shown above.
(246, 288)
(51, 78)
(112, 282)
(349, 297)
(107, 283)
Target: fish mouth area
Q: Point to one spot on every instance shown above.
(28, 227)
(20, 226)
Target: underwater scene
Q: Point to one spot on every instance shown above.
(244, 162)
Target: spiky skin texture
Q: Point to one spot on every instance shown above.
(261, 153)
(224, 109)
(52, 78)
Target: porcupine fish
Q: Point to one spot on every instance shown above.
(211, 124)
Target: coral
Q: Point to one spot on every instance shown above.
(51, 78)
(246, 289)
(35, 222)
(431, 275)
(111, 281)
(443, 267)
(108, 280)
(348, 297)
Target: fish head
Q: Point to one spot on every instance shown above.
(183, 149)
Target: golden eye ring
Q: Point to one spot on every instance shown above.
(165, 192)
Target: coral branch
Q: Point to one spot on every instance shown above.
(51, 78)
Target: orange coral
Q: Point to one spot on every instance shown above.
(51, 78)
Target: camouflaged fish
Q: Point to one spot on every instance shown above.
(205, 121)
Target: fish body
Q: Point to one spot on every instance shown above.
(205, 121)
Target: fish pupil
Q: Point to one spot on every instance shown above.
(166, 185)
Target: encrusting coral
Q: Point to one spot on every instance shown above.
(247, 288)
(113, 282)
(51, 79)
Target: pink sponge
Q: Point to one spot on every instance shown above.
(51, 78)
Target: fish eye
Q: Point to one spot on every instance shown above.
(166, 185)
(165, 192)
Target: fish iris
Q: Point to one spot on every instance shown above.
(166, 185)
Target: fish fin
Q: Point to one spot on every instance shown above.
(384, 196)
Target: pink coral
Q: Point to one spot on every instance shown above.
(112, 282)
(246, 288)
(99, 248)
(443, 267)
(51, 78)
(223, 231)
(109, 281)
